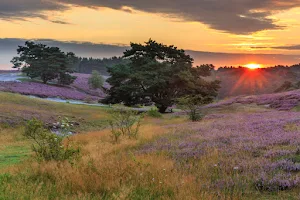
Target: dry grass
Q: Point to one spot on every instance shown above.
(121, 171)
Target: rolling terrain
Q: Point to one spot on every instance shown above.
(240, 150)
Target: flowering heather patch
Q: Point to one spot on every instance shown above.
(276, 183)
(81, 83)
(277, 153)
(242, 138)
(43, 90)
(279, 101)
(285, 165)
(242, 131)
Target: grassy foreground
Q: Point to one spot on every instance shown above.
(221, 157)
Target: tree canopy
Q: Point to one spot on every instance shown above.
(47, 63)
(158, 73)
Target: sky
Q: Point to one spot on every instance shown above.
(235, 31)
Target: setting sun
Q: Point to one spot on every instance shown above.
(253, 66)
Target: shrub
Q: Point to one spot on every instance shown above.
(66, 79)
(154, 113)
(192, 105)
(48, 146)
(96, 80)
(125, 122)
(195, 115)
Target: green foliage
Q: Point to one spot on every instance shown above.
(49, 146)
(153, 112)
(46, 63)
(96, 80)
(191, 103)
(66, 79)
(13, 155)
(125, 122)
(87, 65)
(157, 73)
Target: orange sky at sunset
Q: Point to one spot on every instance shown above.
(124, 24)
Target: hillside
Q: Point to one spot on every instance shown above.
(242, 81)
(278, 101)
(79, 90)
(238, 151)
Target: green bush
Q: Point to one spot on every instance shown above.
(48, 146)
(154, 113)
(195, 115)
(66, 79)
(125, 122)
(96, 80)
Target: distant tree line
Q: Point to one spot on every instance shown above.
(88, 65)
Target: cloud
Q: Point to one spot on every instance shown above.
(287, 47)
(21, 10)
(59, 22)
(292, 47)
(232, 16)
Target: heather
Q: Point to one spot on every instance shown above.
(280, 101)
(81, 83)
(249, 153)
(79, 90)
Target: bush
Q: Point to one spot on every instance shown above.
(192, 105)
(66, 79)
(154, 113)
(96, 80)
(48, 146)
(125, 123)
(195, 115)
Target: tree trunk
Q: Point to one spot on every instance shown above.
(162, 109)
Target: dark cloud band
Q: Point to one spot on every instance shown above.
(233, 16)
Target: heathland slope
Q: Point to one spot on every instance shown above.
(238, 151)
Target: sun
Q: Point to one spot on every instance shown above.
(253, 66)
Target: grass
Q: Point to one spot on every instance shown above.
(124, 170)
(15, 109)
(12, 155)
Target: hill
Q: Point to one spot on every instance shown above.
(243, 81)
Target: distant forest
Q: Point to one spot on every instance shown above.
(87, 65)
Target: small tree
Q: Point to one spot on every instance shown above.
(125, 122)
(96, 80)
(48, 146)
(46, 63)
(192, 105)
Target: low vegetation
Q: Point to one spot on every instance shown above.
(47, 145)
(96, 80)
(172, 158)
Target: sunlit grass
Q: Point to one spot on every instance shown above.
(124, 171)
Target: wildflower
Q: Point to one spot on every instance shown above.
(236, 168)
